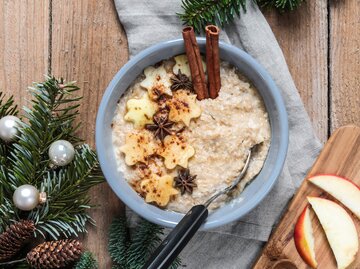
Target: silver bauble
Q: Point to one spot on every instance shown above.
(26, 197)
(9, 128)
(61, 152)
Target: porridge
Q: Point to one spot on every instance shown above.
(177, 151)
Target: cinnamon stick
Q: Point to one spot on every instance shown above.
(213, 60)
(195, 63)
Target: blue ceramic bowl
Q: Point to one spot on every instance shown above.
(260, 186)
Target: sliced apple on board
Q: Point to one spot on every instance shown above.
(304, 238)
(343, 190)
(339, 229)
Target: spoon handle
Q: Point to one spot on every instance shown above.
(177, 239)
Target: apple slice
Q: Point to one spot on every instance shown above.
(304, 238)
(345, 191)
(339, 229)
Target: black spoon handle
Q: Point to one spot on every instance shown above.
(177, 239)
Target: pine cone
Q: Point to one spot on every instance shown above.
(14, 238)
(54, 254)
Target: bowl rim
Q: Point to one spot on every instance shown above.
(237, 213)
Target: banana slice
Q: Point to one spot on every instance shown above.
(139, 145)
(176, 151)
(182, 63)
(140, 111)
(154, 166)
(183, 107)
(158, 189)
(157, 82)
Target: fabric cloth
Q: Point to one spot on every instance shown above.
(238, 244)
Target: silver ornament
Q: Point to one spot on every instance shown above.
(8, 128)
(61, 152)
(26, 197)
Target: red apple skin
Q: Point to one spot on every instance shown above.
(341, 177)
(349, 217)
(301, 244)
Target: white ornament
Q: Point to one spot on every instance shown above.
(26, 197)
(61, 152)
(8, 128)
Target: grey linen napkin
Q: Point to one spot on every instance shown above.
(236, 245)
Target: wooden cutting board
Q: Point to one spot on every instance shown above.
(340, 156)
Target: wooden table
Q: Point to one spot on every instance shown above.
(83, 40)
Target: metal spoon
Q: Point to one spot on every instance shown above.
(178, 238)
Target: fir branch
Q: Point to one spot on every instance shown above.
(119, 238)
(7, 213)
(131, 250)
(199, 13)
(65, 212)
(50, 119)
(7, 107)
(87, 261)
(282, 5)
(144, 241)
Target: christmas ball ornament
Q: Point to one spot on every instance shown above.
(26, 197)
(61, 152)
(8, 128)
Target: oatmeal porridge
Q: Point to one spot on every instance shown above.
(177, 151)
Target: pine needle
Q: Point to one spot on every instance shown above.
(199, 13)
(7, 107)
(52, 117)
(282, 5)
(143, 242)
(132, 250)
(119, 238)
(87, 261)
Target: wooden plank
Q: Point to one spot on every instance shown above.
(340, 156)
(24, 28)
(89, 46)
(345, 63)
(302, 35)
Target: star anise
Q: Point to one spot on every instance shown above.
(181, 81)
(185, 181)
(161, 126)
(160, 96)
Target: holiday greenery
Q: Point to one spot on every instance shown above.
(130, 249)
(282, 5)
(32, 167)
(87, 261)
(59, 194)
(26, 161)
(199, 13)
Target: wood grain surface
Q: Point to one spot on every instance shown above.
(83, 40)
(24, 50)
(89, 46)
(340, 156)
(344, 63)
(303, 36)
